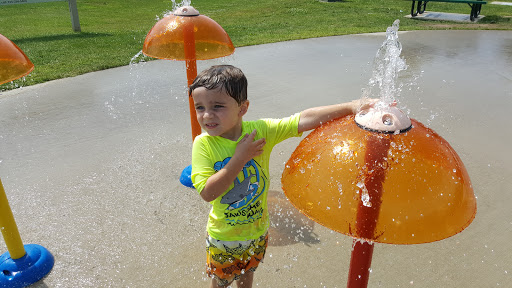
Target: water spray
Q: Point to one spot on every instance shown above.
(401, 182)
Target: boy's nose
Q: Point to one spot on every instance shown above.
(207, 114)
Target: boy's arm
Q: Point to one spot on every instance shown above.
(219, 182)
(312, 118)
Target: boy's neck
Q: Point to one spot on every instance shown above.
(237, 132)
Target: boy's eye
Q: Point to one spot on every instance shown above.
(218, 106)
(199, 108)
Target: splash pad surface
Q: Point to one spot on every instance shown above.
(96, 159)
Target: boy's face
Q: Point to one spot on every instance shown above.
(218, 113)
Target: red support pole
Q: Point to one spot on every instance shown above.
(360, 263)
(377, 148)
(190, 56)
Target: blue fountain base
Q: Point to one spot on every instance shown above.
(27, 270)
(185, 177)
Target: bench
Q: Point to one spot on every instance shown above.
(476, 6)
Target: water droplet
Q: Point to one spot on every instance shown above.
(309, 206)
(365, 197)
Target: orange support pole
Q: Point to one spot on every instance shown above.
(190, 55)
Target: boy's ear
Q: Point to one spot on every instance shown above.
(243, 108)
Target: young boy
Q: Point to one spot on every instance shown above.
(230, 168)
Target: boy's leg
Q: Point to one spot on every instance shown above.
(216, 284)
(246, 280)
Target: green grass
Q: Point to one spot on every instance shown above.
(113, 31)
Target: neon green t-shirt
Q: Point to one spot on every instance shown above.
(241, 212)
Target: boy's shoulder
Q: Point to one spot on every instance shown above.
(273, 125)
(275, 121)
(285, 121)
(259, 124)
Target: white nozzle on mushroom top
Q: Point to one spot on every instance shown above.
(389, 120)
(186, 11)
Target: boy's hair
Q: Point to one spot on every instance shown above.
(226, 77)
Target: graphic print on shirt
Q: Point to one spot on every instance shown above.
(243, 200)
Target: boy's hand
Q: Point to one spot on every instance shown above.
(247, 148)
(219, 182)
(363, 104)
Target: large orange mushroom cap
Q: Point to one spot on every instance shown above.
(425, 194)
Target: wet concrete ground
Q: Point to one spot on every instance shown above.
(90, 164)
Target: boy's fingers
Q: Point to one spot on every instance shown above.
(245, 137)
(253, 135)
(367, 103)
(370, 101)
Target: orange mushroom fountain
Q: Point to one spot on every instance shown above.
(380, 176)
(186, 35)
(26, 264)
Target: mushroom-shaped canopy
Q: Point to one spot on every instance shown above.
(423, 193)
(170, 36)
(13, 62)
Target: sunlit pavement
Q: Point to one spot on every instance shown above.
(91, 164)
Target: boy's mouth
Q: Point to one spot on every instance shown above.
(211, 125)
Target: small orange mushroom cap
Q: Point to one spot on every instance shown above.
(185, 29)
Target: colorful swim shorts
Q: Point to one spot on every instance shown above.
(228, 260)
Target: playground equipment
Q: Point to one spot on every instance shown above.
(186, 35)
(14, 63)
(380, 177)
(22, 265)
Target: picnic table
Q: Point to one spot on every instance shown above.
(476, 6)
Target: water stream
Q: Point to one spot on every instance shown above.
(387, 64)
